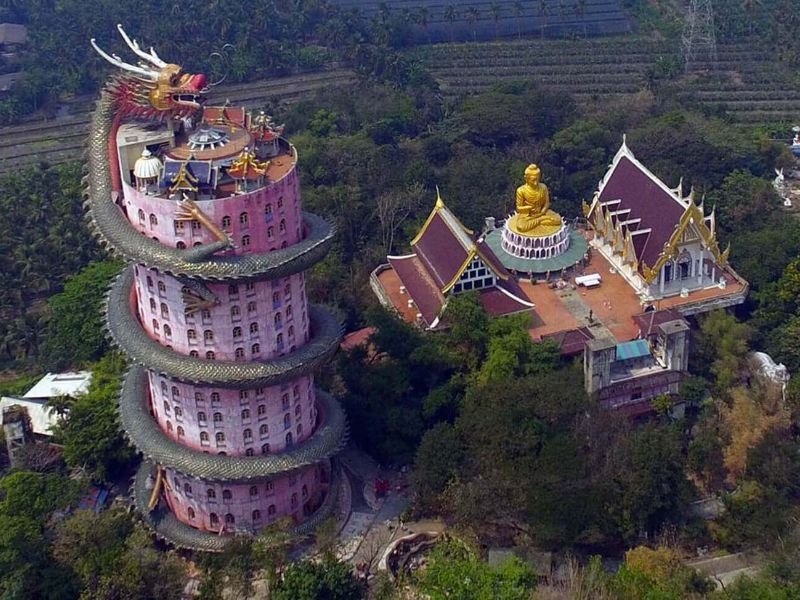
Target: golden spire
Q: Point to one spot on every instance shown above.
(184, 180)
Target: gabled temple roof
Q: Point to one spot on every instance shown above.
(442, 250)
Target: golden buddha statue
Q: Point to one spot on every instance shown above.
(533, 216)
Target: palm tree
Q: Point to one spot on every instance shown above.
(473, 14)
(450, 15)
(496, 9)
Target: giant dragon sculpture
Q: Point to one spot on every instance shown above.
(153, 89)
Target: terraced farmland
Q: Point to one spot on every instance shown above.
(747, 84)
(62, 139)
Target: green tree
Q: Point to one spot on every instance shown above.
(454, 571)
(306, 580)
(719, 350)
(90, 434)
(76, 332)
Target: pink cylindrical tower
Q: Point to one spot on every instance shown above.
(214, 315)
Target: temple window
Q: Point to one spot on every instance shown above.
(249, 452)
(227, 495)
(149, 281)
(181, 432)
(208, 336)
(297, 411)
(178, 226)
(270, 233)
(264, 429)
(253, 327)
(247, 434)
(268, 213)
(164, 388)
(195, 225)
(279, 342)
(213, 519)
(164, 311)
(194, 354)
(285, 245)
(299, 429)
(262, 409)
(245, 414)
(226, 222)
(233, 290)
(235, 311)
(668, 271)
(256, 515)
(210, 355)
(237, 332)
(166, 407)
(141, 217)
(153, 220)
(214, 397)
(243, 218)
(155, 325)
(162, 288)
(176, 393)
(243, 394)
(169, 426)
(178, 411)
(201, 417)
(204, 437)
(252, 307)
(278, 320)
(245, 240)
(187, 489)
(206, 315)
(285, 402)
(684, 267)
(289, 313)
(255, 349)
(199, 398)
(211, 494)
(265, 449)
(291, 331)
(280, 202)
(296, 393)
(190, 512)
(250, 288)
(152, 305)
(180, 245)
(271, 509)
(282, 226)
(289, 439)
(217, 417)
(276, 299)
(239, 353)
(220, 437)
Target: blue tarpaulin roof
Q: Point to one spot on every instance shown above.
(634, 349)
(200, 169)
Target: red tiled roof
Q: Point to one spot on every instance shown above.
(648, 321)
(659, 210)
(571, 341)
(497, 303)
(231, 114)
(419, 285)
(440, 251)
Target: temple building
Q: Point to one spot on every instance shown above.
(446, 260)
(614, 289)
(205, 205)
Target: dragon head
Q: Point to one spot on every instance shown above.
(153, 87)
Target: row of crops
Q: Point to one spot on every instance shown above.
(746, 83)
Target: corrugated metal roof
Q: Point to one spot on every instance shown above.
(633, 349)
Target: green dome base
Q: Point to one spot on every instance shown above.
(576, 251)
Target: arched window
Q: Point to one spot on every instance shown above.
(164, 310)
(214, 519)
(280, 202)
(178, 411)
(190, 512)
(204, 436)
(201, 416)
(287, 290)
(164, 388)
(271, 510)
(227, 495)
(276, 299)
(211, 493)
(253, 491)
(205, 314)
(208, 336)
(245, 414)
(149, 281)
(220, 437)
(237, 332)
(210, 355)
(256, 515)
(253, 327)
(287, 421)
(217, 417)
(243, 394)
(264, 429)
(296, 393)
(289, 314)
(141, 216)
(252, 307)
(235, 311)
(249, 452)
(256, 349)
(289, 439)
(285, 401)
(297, 411)
(194, 353)
(262, 409)
(166, 407)
(176, 393)
(278, 320)
(245, 240)
(268, 486)
(250, 287)
(299, 430)
(239, 353)
(247, 434)
(180, 245)
(290, 331)
(279, 341)
(187, 489)
(243, 218)
(198, 397)
(152, 305)
(233, 290)
(267, 212)
(169, 426)
(153, 220)
(167, 331)
(162, 288)
(191, 335)
(282, 226)
(226, 222)
(270, 232)
(229, 520)
(214, 396)
(264, 448)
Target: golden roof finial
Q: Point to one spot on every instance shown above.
(184, 180)
(439, 202)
